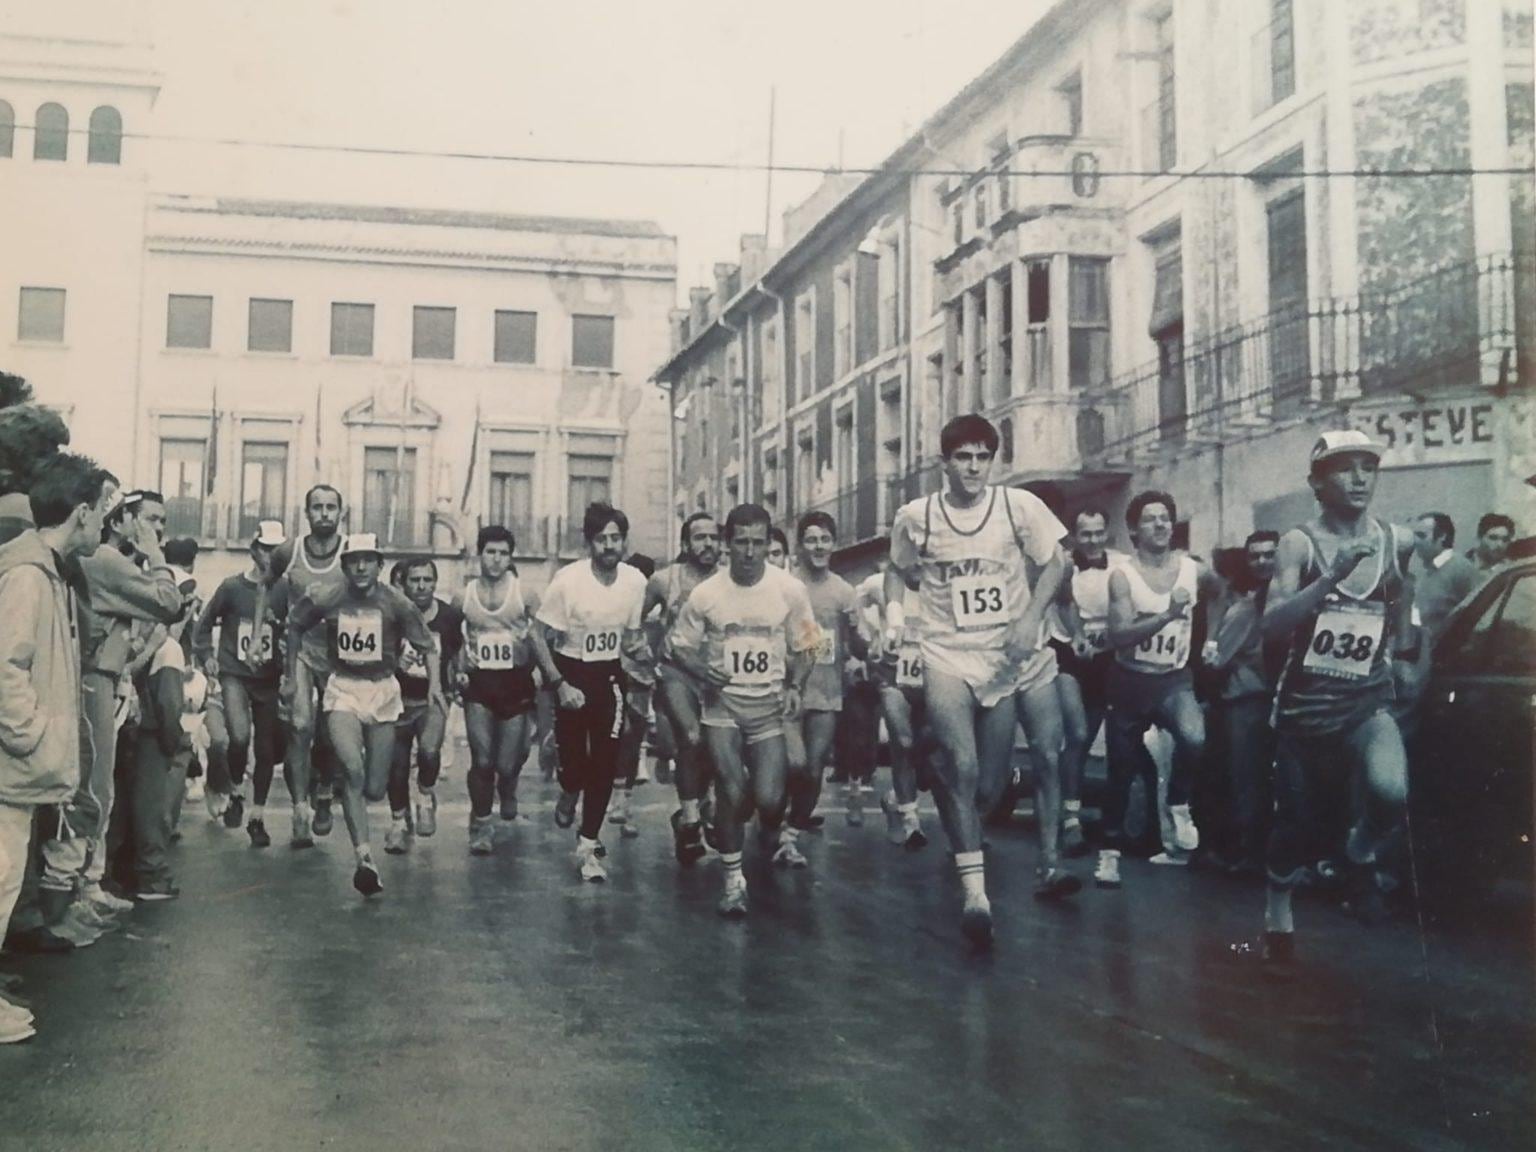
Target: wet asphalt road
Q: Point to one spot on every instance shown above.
(500, 1003)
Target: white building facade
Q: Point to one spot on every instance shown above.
(444, 369)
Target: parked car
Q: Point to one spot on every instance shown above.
(1470, 769)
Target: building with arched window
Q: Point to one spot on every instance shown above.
(106, 139)
(50, 132)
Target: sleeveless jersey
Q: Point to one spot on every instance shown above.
(495, 638)
(321, 585)
(974, 583)
(1166, 650)
(1338, 667)
(909, 657)
(1090, 594)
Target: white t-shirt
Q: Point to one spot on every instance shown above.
(748, 631)
(974, 582)
(592, 616)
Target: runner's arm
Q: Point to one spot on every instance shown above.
(1125, 630)
(202, 632)
(1289, 603)
(1046, 588)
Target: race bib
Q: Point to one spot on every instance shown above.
(495, 651)
(826, 648)
(752, 661)
(245, 631)
(1345, 641)
(978, 601)
(359, 636)
(414, 665)
(1165, 649)
(598, 644)
(1097, 636)
(909, 667)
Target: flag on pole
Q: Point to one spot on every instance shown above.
(474, 458)
(212, 471)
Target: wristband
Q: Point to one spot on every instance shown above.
(555, 683)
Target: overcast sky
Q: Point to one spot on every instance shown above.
(635, 79)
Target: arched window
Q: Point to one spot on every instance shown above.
(106, 140)
(7, 129)
(50, 139)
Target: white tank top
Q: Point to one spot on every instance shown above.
(973, 583)
(1166, 650)
(1090, 594)
(494, 637)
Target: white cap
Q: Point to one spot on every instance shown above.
(359, 542)
(270, 534)
(1344, 443)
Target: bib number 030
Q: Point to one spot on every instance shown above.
(602, 645)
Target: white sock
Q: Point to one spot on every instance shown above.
(908, 809)
(396, 817)
(788, 835)
(973, 876)
(364, 853)
(425, 793)
(258, 811)
(1277, 909)
(732, 862)
(1071, 812)
(690, 811)
(585, 845)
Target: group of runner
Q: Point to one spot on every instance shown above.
(988, 617)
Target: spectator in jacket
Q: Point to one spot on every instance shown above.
(1495, 533)
(40, 670)
(129, 583)
(1443, 579)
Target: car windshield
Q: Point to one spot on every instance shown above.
(1501, 640)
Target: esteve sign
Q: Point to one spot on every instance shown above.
(1447, 433)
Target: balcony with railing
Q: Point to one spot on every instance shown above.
(1040, 175)
(1455, 327)
(216, 525)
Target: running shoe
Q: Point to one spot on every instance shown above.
(39, 941)
(234, 811)
(257, 831)
(687, 841)
(976, 923)
(1107, 874)
(77, 933)
(643, 771)
(9, 1007)
(619, 813)
(788, 854)
(323, 821)
(300, 837)
(366, 878)
(1186, 837)
(426, 813)
(855, 806)
(733, 902)
(482, 836)
(565, 809)
(1056, 884)
(1279, 957)
(157, 893)
(895, 825)
(1175, 858)
(1073, 842)
(214, 801)
(916, 839)
(103, 899)
(16, 1027)
(397, 841)
(588, 864)
(80, 914)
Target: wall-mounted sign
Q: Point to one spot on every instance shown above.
(1085, 175)
(1451, 433)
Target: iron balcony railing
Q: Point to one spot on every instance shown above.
(1443, 328)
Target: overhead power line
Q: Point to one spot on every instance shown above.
(1201, 173)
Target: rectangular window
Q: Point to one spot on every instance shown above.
(1037, 316)
(41, 315)
(805, 470)
(1289, 347)
(592, 341)
(351, 329)
(1159, 123)
(1167, 330)
(1088, 319)
(889, 275)
(263, 485)
(516, 337)
(271, 326)
(389, 494)
(1071, 92)
(510, 501)
(1275, 56)
(589, 480)
(182, 464)
(432, 333)
(189, 322)
(805, 345)
(983, 216)
(842, 322)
